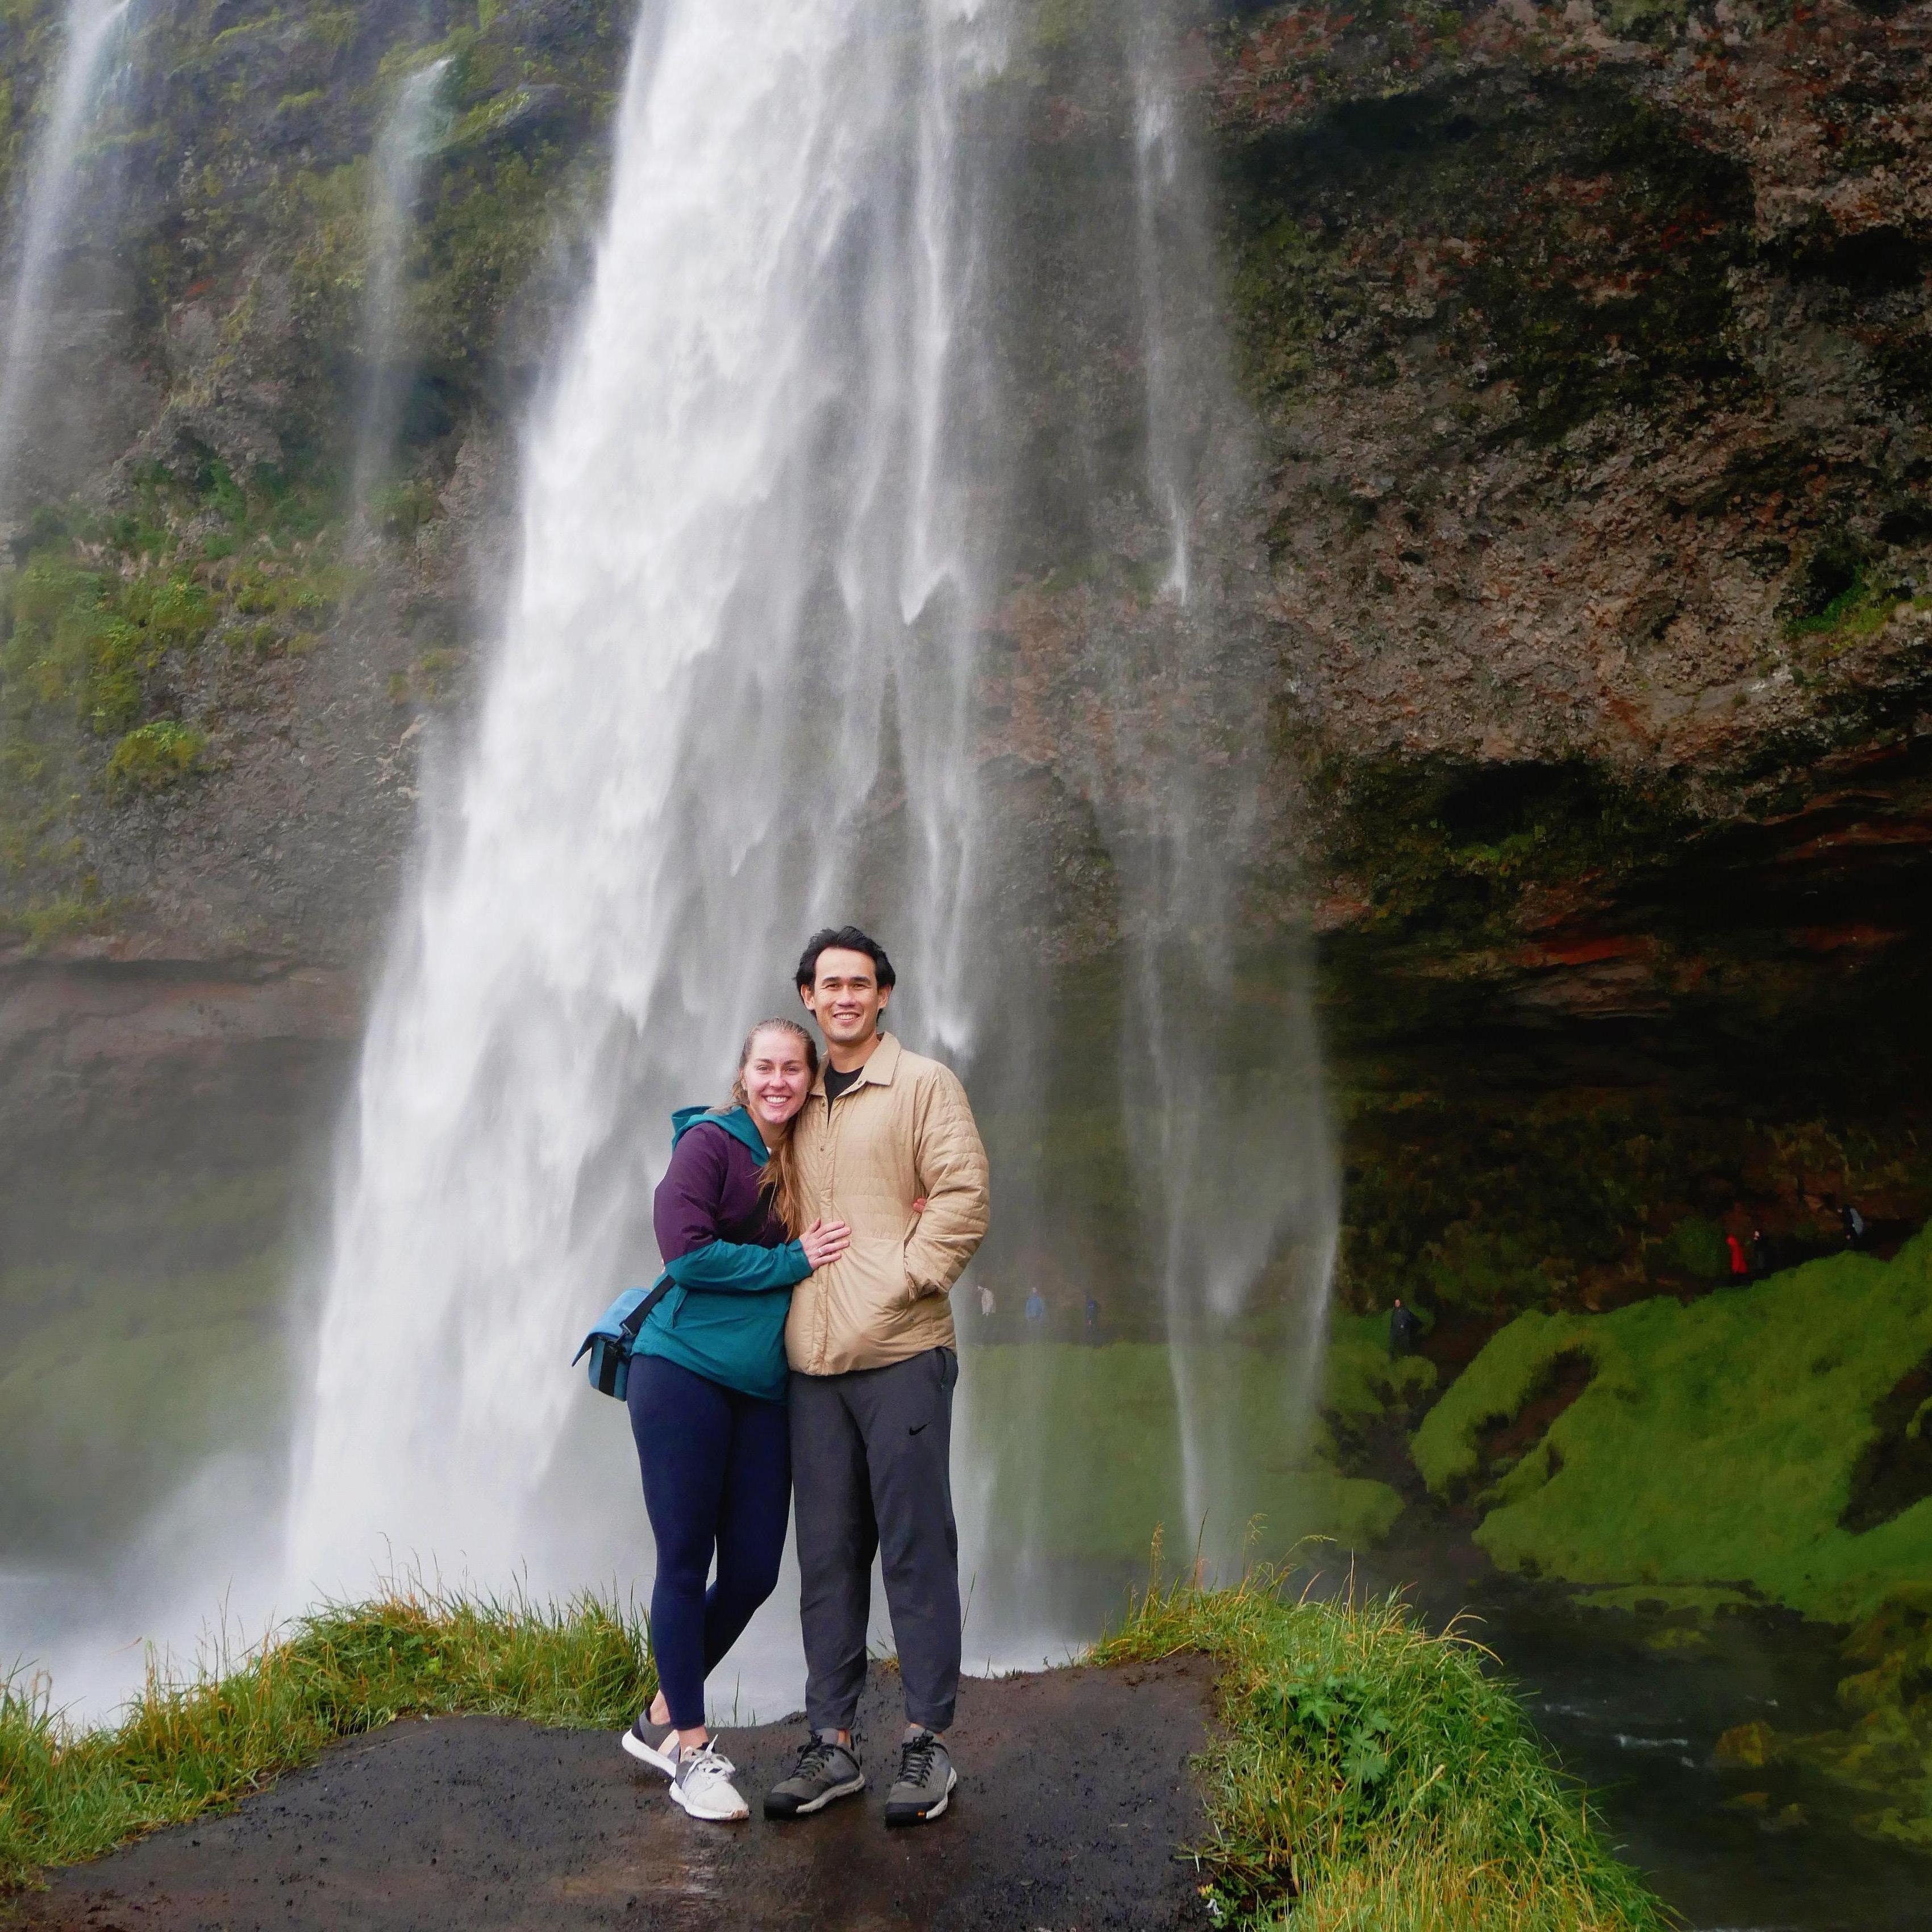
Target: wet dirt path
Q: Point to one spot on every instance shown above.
(1074, 1793)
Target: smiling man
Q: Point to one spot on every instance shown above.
(888, 1137)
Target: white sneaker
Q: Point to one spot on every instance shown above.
(703, 1785)
(659, 1756)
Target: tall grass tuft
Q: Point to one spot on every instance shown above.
(1377, 1771)
(186, 1747)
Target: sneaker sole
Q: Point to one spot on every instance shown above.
(818, 1803)
(912, 1814)
(737, 1817)
(643, 1752)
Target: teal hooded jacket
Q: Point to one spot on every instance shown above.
(731, 1265)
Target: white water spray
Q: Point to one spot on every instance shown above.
(407, 140)
(744, 618)
(93, 30)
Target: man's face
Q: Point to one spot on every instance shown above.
(846, 999)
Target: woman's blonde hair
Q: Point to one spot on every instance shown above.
(781, 1185)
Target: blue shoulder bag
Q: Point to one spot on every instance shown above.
(614, 1335)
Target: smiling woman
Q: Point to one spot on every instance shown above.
(706, 1392)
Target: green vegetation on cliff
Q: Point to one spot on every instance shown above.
(227, 303)
(123, 637)
(1381, 1772)
(1734, 1441)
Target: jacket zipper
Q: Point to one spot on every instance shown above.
(827, 1148)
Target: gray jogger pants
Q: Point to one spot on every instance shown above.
(871, 1457)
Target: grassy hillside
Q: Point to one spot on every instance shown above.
(1718, 1443)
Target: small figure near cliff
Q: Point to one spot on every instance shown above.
(988, 1306)
(1854, 1224)
(1404, 1327)
(1740, 1261)
(1036, 1312)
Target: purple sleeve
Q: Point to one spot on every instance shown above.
(684, 1211)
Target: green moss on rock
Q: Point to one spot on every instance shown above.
(1764, 1395)
(156, 755)
(1883, 1757)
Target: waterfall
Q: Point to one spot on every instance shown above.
(772, 502)
(742, 630)
(1235, 1156)
(407, 139)
(53, 179)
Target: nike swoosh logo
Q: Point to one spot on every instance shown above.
(915, 1429)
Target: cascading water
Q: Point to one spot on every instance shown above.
(1236, 1151)
(407, 140)
(742, 626)
(93, 28)
(770, 506)
(1221, 1225)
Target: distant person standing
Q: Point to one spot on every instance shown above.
(988, 1306)
(1740, 1260)
(1036, 1311)
(1853, 1223)
(1403, 1329)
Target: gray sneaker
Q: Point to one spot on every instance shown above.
(825, 1769)
(924, 1782)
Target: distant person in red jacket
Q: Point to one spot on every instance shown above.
(1740, 1259)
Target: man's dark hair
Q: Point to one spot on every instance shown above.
(844, 939)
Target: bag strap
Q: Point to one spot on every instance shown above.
(632, 1324)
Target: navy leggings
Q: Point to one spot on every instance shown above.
(717, 1470)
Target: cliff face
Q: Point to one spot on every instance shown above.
(213, 709)
(1592, 348)
(1578, 554)
(1596, 367)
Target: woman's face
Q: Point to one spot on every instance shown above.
(776, 1077)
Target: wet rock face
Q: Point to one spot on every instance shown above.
(1566, 544)
(82, 1043)
(245, 784)
(1582, 359)
(1590, 350)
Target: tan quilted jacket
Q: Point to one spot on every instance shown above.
(903, 1130)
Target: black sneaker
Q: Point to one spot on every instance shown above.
(924, 1782)
(825, 1769)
